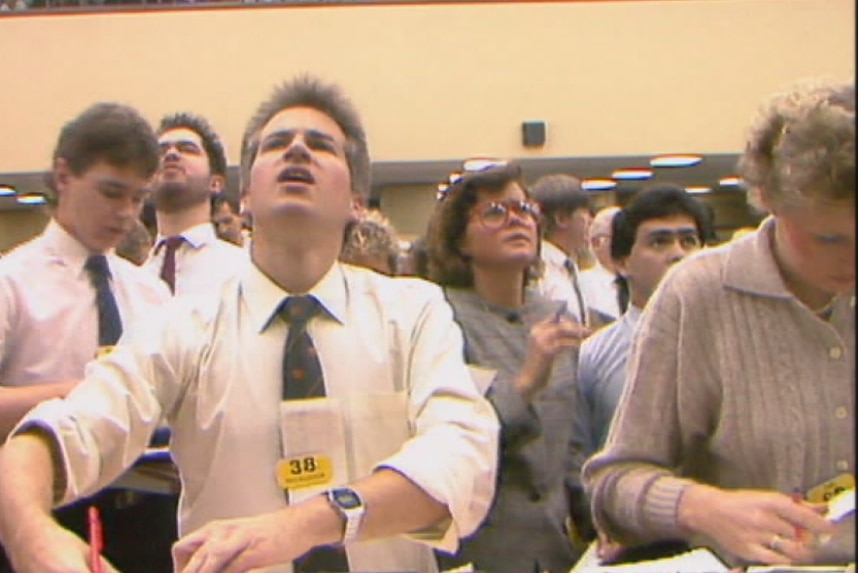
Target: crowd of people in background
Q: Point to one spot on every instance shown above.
(530, 376)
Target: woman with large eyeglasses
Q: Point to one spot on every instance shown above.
(483, 244)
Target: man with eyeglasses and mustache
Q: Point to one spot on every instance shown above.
(188, 255)
(323, 417)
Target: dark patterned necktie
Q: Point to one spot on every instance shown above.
(168, 267)
(302, 380)
(109, 321)
(573, 272)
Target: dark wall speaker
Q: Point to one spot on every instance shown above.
(533, 133)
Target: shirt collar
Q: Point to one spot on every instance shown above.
(750, 264)
(632, 316)
(552, 254)
(64, 247)
(196, 236)
(263, 296)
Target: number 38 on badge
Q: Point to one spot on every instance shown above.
(304, 471)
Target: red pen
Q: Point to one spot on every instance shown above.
(96, 539)
(798, 497)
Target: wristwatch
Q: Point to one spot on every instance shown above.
(350, 505)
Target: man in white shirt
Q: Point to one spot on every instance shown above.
(403, 442)
(187, 254)
(49, 292)
(599, 282)
(659, 227)
(565, 227)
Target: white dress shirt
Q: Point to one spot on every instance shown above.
(394, 371)
(600, 290)
(48, 314)
(556, 282)
(203, 262)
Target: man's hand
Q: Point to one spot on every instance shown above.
(49, 548)
(238, 545)
(757, 526)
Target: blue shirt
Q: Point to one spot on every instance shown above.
(602, 373)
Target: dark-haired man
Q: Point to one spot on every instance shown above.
(659, 227)
(188, 255)
(66, 297)
(313, 404)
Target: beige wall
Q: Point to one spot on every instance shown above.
(435, 81)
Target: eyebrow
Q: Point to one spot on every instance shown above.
(307, 132)
(166, 142)
(680, 231)
(114, 183)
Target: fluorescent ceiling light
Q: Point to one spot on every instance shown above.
(598, 184)
(632, 174)
(698, 189)
(731, 181)
(31, 199)
(679, 160)
(6, 191)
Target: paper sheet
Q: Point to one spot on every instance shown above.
(699, 560)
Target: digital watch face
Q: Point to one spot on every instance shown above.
(346, 498)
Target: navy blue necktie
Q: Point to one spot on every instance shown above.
(109, 321)
(302, 380)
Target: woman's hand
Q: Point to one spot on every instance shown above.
(546, 340)
(756, 526)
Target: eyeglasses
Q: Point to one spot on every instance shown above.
(469, 166)
(664, 240)
(495, 214)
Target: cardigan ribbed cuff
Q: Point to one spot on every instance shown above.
(661, 506)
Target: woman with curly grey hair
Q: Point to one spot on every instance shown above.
(736, 426)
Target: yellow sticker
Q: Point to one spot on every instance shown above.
(103, 351)
(825, 491)
(304, 471)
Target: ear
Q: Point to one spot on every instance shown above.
(765, 200)
(61, 175)
(358, 208)
(217, 183)
(621, 267)
(561, 219)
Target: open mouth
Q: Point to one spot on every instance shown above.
(296, 175)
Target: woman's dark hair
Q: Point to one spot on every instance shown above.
(448, 266)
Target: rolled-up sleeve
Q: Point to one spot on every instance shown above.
(105, 423)
(453, 452)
